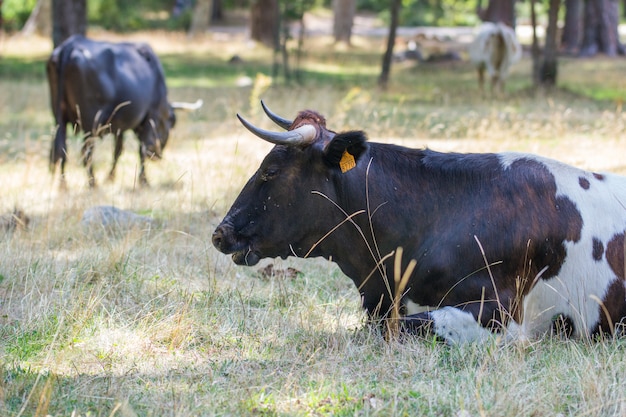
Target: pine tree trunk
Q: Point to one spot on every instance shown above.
(549, 66)
(344, 11)
(572, 27)
(69, 17)
(201, 17)
(217, 11)
(264, 19)
(40, 19)
(601, 18)
(383, 80)
(497, 11)
(534, 52)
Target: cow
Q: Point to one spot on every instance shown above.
(494, 49)
(494, 245)
(103, 87)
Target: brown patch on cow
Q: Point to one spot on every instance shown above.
(598, 249)
(615, 255)
(599, 177)
(543, 208)
(584, 182)
(613, 308)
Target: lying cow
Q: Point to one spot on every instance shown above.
(501, 242)
(103, 87)
(495, 49)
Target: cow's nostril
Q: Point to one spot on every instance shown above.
(217, 238)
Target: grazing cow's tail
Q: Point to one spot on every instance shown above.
(54, 69)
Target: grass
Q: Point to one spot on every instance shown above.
(156, 322)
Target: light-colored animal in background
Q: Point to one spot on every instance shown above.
(494, 49)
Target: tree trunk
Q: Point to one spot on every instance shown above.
(69, 17)
(40, 19)
(217, 11)
(343, 11)
(548, 70)
(497, 11)
(264, 22)
(201, 17)
(570, 40)
(534, 51)
(600, 28)
(383, 80)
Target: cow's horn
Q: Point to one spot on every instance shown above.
(302, 136)
(187, 106)
(280, 121)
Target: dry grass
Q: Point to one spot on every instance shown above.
(156, 322)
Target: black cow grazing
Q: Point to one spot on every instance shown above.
(501, 242)
(104, 87)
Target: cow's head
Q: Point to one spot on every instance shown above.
(154, 131)
(283, 208)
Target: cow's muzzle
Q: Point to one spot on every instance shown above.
(152, 151)
(226, 241)
(156, 151)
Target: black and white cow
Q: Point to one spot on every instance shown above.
(502, 242)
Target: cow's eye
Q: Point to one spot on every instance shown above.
(269, 174)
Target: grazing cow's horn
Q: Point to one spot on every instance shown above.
(187, 106)
(280, 121)
(302, 136)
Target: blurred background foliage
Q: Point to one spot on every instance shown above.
(123, 15)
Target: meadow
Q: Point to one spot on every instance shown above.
(155, 322)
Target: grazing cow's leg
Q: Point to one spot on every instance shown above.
(481, 77)
(451, 324)
(496, 83)
(58, 151)
(87, 152)
(143, 181)
(117, 151)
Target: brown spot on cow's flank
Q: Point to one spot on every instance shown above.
(613, 309)
(615, 255)
(598, 249)
(584, 182)
(599, 177)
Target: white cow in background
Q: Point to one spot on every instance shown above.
(494, 49)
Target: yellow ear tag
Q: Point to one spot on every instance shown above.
(347, 162)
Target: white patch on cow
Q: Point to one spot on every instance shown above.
(414, 308)
(456, 326)
(582, 281)
(86, 53)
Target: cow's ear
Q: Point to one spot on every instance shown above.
(345, 149)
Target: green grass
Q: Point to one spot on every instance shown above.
(156, 322)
